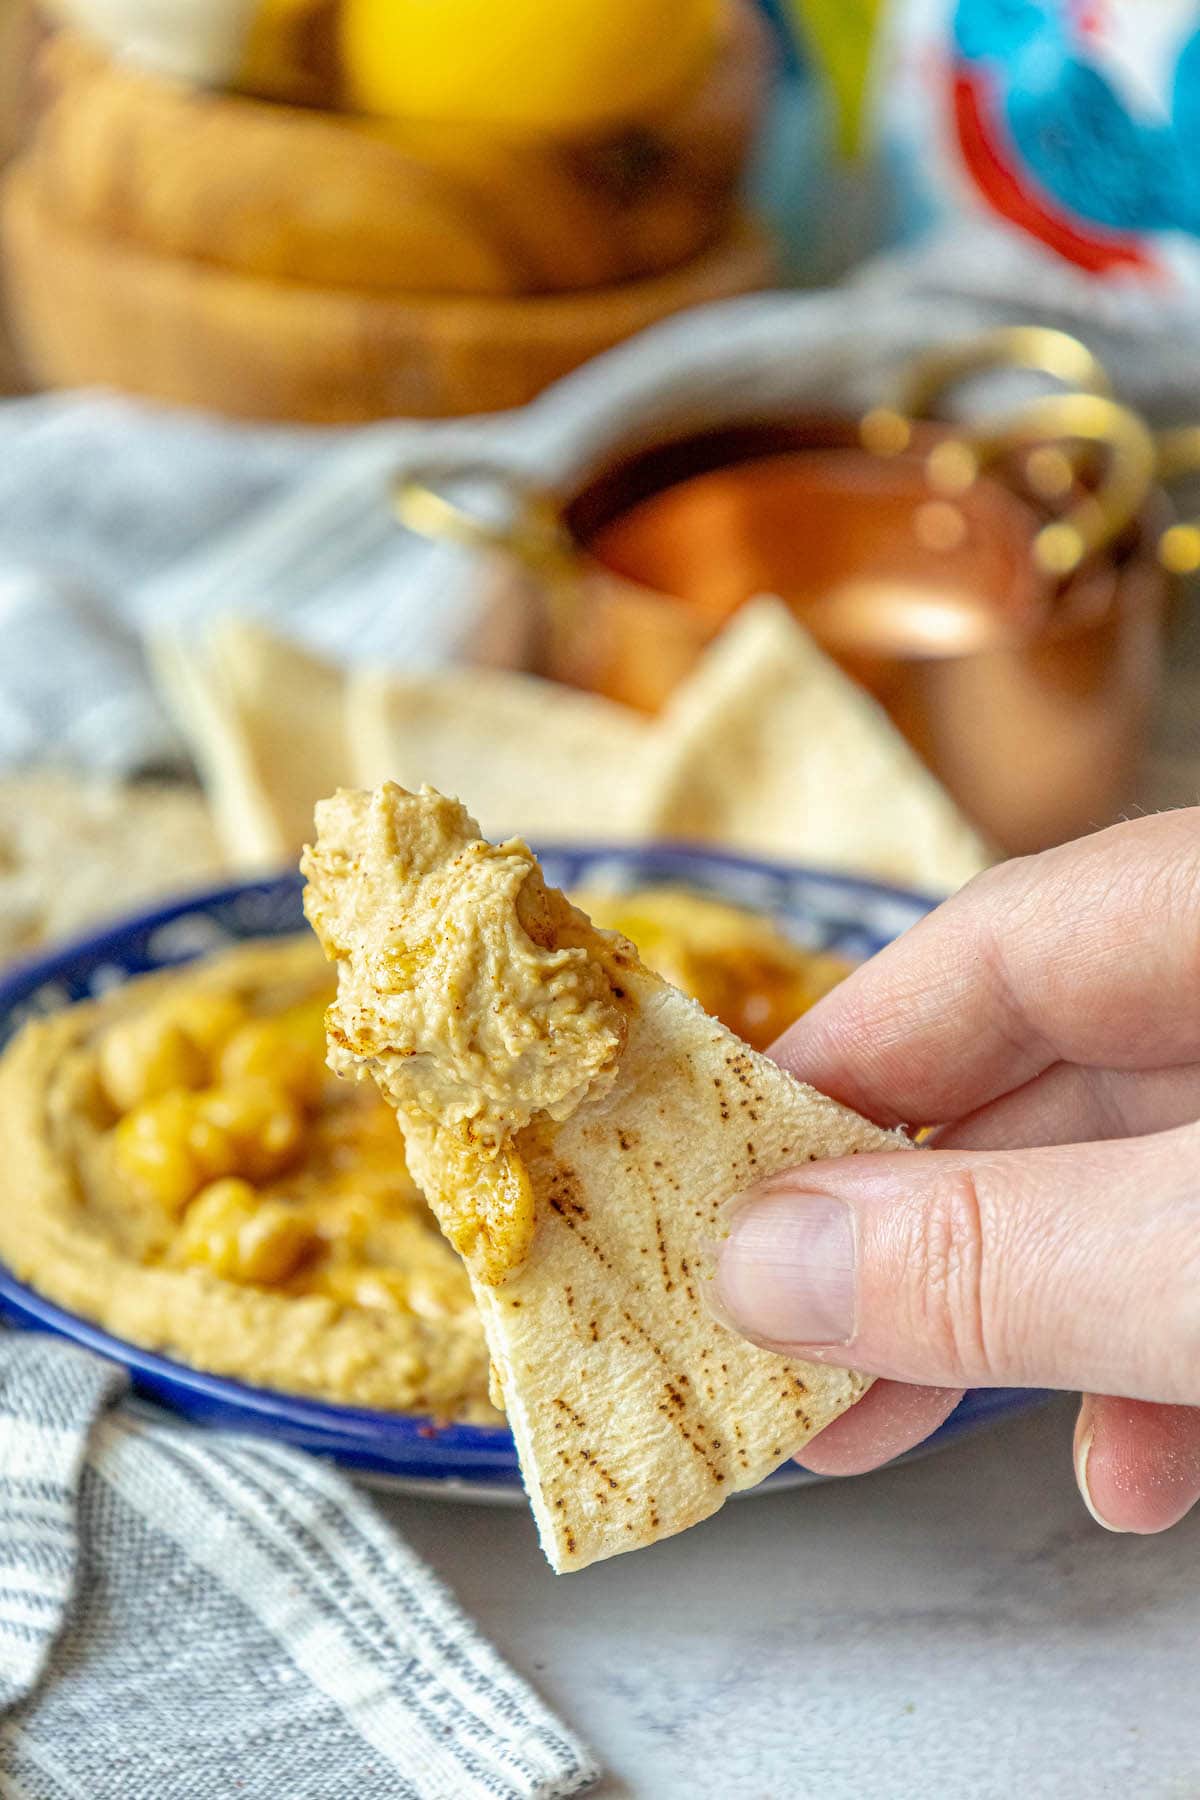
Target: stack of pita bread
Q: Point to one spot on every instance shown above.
(767, 749)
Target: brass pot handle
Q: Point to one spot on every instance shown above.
(887, 430)
(1178, 455)
(1097, 518)
(533, 531)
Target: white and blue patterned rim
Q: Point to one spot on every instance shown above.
(823, 910)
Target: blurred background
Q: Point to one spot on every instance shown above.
(359, 340)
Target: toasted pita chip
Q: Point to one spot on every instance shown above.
(557, 763)
(471, 993)
(771, 749)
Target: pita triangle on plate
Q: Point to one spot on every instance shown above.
(583, 1221)
(769, 748)
(563, 764)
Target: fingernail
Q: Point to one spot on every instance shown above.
(785, 1274)
(1084, 1433)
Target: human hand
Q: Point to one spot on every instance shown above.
(1046, 1023)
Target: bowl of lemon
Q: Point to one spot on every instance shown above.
(333, 210)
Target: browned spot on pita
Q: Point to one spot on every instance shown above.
(668, 1278)
(577, 1419)
(594, 1463)
(694, 1444)
(564, 1191)
(650, 1342)
(589, 1244)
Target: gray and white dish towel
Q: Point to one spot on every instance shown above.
(186, 1616)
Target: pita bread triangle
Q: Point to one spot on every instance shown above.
(564, 763)
(635, 1413)
(266, 724)
(770, 748)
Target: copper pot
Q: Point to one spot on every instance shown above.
(996, 590)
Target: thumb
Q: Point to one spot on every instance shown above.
(1071, 1267)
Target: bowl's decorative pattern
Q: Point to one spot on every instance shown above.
(824, 911)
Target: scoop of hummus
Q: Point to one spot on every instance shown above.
(479, 1000)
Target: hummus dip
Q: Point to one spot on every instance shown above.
(183, 1170)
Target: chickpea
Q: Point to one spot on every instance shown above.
(171, 1146)
(231, 1230)
(153, 1150)
(253, 1129)
(143, 1058)
(288, 1050)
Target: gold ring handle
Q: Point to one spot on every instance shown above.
(533, 530)
(1034, 347)
(1179, 455)
(1097, 518)
(887, 430)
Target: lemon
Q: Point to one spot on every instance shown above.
(556, 66)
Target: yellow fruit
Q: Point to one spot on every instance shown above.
(557, 66)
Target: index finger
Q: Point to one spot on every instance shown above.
(1087, 954)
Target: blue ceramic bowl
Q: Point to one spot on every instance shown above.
(851, 917)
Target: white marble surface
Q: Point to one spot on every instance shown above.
(957, 1628)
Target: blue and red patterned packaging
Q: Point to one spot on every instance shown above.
(1070, 128)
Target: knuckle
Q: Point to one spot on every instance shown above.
(949, 1261)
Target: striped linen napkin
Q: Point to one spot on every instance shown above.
(187, 1616)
